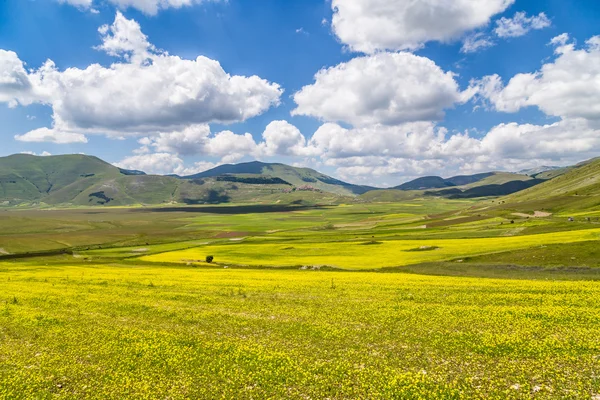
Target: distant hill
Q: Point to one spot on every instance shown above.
(537, 170)
(579, 182)
(298, 177)
(426, 182)
(80, 180)
(462, 181)
(491, 190)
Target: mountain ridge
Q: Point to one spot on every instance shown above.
(81, 180)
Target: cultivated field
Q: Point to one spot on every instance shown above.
(441, 299)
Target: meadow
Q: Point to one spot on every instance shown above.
(107, 331)
(410, 300)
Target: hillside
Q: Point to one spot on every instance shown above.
(58, 179)
(426, 182)
(298, 177)
(582, 180)
(79, 180)
(462, 181)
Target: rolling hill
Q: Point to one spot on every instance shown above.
(462, 181)
(583, 180)
(298, 177)
(80, 180)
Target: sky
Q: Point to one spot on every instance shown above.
(373, 92)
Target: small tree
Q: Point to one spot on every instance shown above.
(209, 259)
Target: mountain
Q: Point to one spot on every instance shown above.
(79, 180)
(491, 190)
(537, 170)
(297, 177)
(426, 182)
(462, 181)
(580, 183)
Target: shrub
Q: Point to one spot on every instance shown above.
(209, 259)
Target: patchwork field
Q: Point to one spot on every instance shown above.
(411, 300)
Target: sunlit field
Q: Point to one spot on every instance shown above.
(414, 300)
(103, 331)
(365, 255)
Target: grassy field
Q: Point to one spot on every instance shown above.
(106, 331)
(410, 300)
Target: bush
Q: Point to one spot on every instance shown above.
(209, 259)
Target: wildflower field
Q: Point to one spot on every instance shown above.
(416, 300)
(105, 331)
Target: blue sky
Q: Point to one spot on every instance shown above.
(364, 119)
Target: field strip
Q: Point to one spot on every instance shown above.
(356, 255)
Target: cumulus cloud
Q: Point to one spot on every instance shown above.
(520, 24)
(147, 92)
(150, 7)
(364, 154)
(15, 85)
(373, 25)
(163, 164)
(31, 153)
(49, 135)
(567, 87)
(386, 88)
(283, 138)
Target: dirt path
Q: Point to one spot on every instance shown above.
(2, 251)
(537, 214)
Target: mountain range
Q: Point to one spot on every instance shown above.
(80, 180)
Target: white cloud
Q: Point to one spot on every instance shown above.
(476, 42)
(15, 85)
(84, 4)
(568, 87)
(163, 164)
(520, 24)
(372, 25)
(198, 140)
(386, 88)
(150, 7)
(149, 92)
(155, 163)
(367, 154)
(49, 135)
(124, 38)
(31, 153)
(283, 138)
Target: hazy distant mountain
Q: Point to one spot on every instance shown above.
(537, 170)
(436, 182)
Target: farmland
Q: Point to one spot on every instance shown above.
(417, 299)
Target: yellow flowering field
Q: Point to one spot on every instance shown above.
(363, 254)
(115, 332)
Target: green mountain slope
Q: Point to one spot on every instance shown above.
(580, 181)
(58, 179)
(297, 177)
(79, 180)
(426, 182)
(462, 181)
